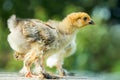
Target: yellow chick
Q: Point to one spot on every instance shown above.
(34, 40)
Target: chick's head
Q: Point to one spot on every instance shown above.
(80, 19)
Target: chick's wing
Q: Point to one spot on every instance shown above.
(35, 30)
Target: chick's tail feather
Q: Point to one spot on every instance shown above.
(11, 23)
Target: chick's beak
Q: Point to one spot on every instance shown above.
(91, 22)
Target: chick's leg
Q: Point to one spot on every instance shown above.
(29, 59)
(42, 73)
(60, 69)
(39, 65)
(69, 50)
(57, 61)
(35, 55)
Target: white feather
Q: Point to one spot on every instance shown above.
(12, 23)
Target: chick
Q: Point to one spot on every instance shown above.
(34, 40)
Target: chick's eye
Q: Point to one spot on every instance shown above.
(85, 18)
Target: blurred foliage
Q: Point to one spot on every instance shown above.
(98, 46)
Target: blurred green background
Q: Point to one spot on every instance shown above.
(98, 46)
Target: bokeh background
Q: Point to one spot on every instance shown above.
(98, 46)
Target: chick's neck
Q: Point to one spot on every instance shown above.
(66, 27)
